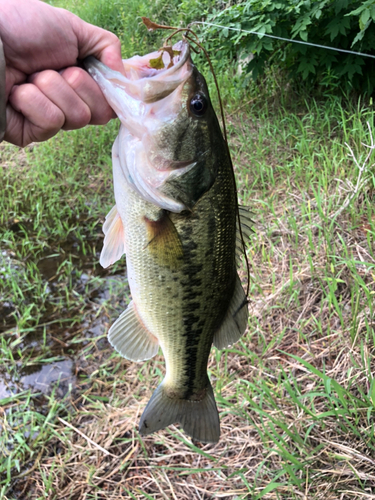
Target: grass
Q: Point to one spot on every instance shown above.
(296, 394)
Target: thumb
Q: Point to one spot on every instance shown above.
(95, 41)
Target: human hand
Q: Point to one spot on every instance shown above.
(45, 91)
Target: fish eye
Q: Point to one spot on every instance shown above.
(198, 105)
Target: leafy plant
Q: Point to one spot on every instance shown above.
(343, 24)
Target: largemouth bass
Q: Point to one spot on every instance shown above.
(175, 219)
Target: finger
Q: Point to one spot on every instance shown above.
(57, 90)
(13, 77)
(110, 57)
(97, 42)
(89, 92)
(31, 116)
(14, 132)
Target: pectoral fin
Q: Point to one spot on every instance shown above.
(114, 241)
(164, 241)
(235, 321)
(131, 338)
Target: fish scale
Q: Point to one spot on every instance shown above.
(203, 299)
(176, 219)
(185, 316)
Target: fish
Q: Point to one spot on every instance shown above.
(176, 220)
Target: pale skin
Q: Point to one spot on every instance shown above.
(45, 90)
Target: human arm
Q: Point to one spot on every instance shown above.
(45, 90)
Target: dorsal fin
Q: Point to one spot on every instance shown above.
(246, 229)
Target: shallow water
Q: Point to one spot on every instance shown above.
(45, 376)
(54, 335)
(59, 375)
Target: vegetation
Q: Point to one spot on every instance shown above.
(342, 24)
(296, 395)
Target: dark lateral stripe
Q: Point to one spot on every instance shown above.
(193, 308)
(192, 331)
(193, 294)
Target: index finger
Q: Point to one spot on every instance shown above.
(97, 42)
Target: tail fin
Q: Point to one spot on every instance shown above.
(199, 419)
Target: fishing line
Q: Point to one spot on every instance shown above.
(151, 26)
(285, 39)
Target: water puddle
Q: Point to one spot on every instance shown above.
(51, 261)
(59, 375)
(61, 264)
(9, 270)
(5, 390)
(42, 378)
(67, 269)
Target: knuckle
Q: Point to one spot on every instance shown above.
(22, 93)
(56, 120)
(103, 116)
(45, 79)
(116, 43)
(75, 77)
(79, 118)
(84, 116)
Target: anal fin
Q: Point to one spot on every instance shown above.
(235, 320)
(131, 338)
(114, 241)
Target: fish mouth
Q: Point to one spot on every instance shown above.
(166, 61)
(138, 97)
(144, 79)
